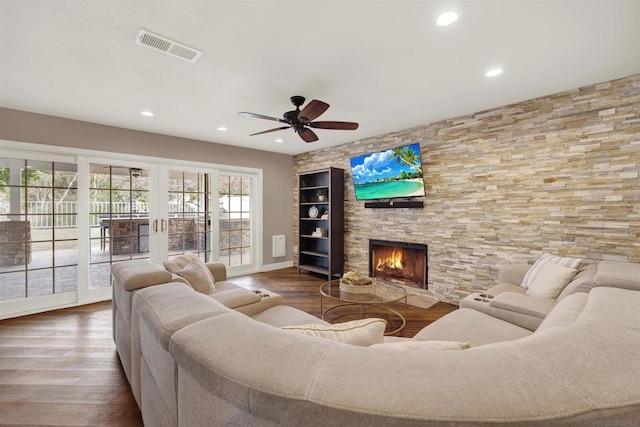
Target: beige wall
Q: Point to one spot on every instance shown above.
(37, 128)
(557, 174)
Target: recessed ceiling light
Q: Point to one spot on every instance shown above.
(447, 18)
(493, 72)
(147, 113)
(222, 128)
(279, 140)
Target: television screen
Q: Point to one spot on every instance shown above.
(388, 174)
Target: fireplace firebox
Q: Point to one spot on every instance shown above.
(398, 262)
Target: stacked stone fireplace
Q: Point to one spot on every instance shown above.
(398, 262)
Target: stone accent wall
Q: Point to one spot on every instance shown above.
(557, 174)
(15, 243)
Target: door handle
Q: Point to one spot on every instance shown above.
(155, 225)
(164, 225)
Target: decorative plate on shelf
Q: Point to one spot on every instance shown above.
(313, 212)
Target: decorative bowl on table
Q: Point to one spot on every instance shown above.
(354, 284)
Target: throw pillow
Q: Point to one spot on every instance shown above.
(530, 276)
(423, 345)
(363, 332)
(195, 271)
(550, 281)
(177, 263)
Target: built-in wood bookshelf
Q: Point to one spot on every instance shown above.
(321, 222)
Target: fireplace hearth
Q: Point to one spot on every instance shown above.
(399, 262)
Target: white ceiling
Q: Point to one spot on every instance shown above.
(384, 64)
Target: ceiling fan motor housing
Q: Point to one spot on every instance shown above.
(297, 100)
(291, 116)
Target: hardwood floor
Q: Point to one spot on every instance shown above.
(303, 292)
(60, 368)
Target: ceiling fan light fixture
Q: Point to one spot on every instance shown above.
(447, 18)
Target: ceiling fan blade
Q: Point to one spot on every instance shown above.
(307, 135)
(271, 130)
(261, 116)
(334, 125)
(313, 110)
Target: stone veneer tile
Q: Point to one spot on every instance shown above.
(556, 174)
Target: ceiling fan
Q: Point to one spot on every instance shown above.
(302, 121)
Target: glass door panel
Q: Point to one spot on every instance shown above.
(38, 228)
(188, 224)
(235, 225)
(119, 218)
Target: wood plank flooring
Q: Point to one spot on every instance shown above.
(60, 368)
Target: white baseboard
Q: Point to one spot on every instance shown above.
(277, 266)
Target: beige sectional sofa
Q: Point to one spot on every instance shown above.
(202, 363)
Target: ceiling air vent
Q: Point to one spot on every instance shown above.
(167, 46)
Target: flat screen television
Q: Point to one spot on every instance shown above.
(388, 174)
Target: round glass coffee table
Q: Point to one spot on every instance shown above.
(380, 295)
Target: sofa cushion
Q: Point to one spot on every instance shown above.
(550, 281)
(523, 304)
(362, 332)
(468, 325)
(544, 259)
(414, 345)
(194, 270)
(625, 275)
(565, 312)
(138, 274)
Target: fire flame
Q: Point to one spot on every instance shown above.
(394, 261)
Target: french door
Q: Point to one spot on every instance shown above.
(67, 215)
(147, 211)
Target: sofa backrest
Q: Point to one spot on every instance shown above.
(624, 275)
(581, 282)
(169, 308)
(564, 312)
(137, 274)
